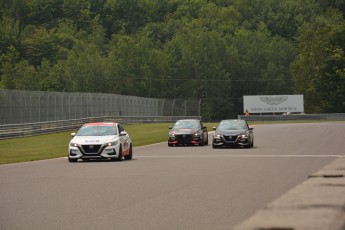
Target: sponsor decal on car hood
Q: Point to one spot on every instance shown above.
(93, 139)
(230, 132)
(184, 131)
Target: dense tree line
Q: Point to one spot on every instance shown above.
(215, 50)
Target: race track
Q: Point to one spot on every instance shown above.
(167, 187)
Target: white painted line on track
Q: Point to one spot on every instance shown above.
(244, 156)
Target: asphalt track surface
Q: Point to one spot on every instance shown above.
(167, 187)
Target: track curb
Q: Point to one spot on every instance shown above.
(316, 204)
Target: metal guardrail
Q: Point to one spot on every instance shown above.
(329, 116)
(31, 129)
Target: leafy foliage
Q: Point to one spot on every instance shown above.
(212, 50)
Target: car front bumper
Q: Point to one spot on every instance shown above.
(97, 152)
(235, 141)
(187, 139)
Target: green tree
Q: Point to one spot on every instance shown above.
(126, 16)
(44, 13)
(18, 74)
(8, 60)
(9, 33)
(38, 43)
(212, 50)
(318, 70)
(119, 64)
(83, 69)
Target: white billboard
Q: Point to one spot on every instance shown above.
(273, 104)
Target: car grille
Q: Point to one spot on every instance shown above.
(184, 139)
(230, 138)
(91, 148)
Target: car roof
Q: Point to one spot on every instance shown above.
(101, 124)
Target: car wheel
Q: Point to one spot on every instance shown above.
(206, 141)
(202, 142)
(72, 160)
(214, 146)
(119, 158)
(130, 155)
(170, 145)
(249, 145)
(253, 143)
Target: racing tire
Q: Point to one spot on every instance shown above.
(206, 141)
(119, 158)
(72, 160)
(253, 143)
(249, 145)
(130, 155)
(215, 146)
(170, 145)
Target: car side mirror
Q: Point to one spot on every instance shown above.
(250, 128)
(204, 127)
(123, 133)
(214, 128)
(72, 134)
(170, 127)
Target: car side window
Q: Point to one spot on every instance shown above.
(202, 125)
(120, 129)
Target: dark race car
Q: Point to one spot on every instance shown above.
(233, 133)
(188, 132)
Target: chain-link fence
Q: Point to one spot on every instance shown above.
(19, 107)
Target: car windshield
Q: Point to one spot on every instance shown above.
(97, 131)
(232, 125)
(187, 124)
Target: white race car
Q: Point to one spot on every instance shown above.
(100, 140)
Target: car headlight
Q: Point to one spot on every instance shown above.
(217, 136)
(171, 134)
(245, 135)
(72, 144)
(197, 133)
(113, 143)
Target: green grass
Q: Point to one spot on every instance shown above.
(56, 145)
(34, 148)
